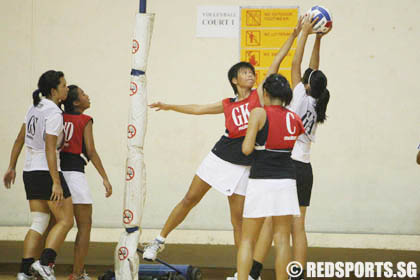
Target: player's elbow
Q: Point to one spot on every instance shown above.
(418, 158)
(246, 149)
(295, 62)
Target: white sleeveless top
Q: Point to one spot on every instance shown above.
(304, 105)
(45, 118)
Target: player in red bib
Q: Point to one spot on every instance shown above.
(271, 191)
(310, 100)
(225, 168)
(79, 141)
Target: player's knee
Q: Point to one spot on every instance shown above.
(190, 201)
(236, 220)
(40, 222)
(67, 223)
(84, 227)
(282, 237)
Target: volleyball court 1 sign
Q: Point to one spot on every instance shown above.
(218, 21)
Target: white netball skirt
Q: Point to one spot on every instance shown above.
(226, 177)
(79, 189)
(271, 197)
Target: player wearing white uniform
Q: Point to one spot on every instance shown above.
(46, 189)
(310, 100)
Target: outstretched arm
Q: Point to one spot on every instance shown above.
(9, 177)
(275, 65)
(256, 121)
(314, 62)
(192, 109)
(300, 49)
(94, 157)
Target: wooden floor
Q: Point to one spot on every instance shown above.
(9, 271)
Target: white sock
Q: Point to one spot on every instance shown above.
(161, 239)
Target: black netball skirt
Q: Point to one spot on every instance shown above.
(304, 182)
(38, 185)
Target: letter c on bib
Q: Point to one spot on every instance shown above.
(288, 125)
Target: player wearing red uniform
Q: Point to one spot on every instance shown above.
(225, 168)
(310, 100)
(271, 191)
(78, 142)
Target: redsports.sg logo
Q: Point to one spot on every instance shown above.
(362, 270)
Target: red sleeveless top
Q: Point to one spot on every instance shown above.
(274, 144)
(229, 147)
(237, 114)
(70, 155)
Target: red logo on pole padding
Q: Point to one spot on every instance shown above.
(122, 253)
(130, 173)
(136, 46)
(127, 216)
(133, 88)
(131, 131)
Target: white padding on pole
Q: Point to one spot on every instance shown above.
(141, 41)
(137, 118)
(126, 257)
(135, 189)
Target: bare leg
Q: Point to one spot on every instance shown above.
(250, 230)
(197, 190)
(265, 241)
(282, 228)
(83, 215)
(300, 243)
(64, 217)
(236, 204)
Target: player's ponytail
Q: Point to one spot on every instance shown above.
(321, 106)
(318, 90)
(35, 97)
(72, 95)
(48, 81)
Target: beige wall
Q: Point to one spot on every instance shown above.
(366, 179)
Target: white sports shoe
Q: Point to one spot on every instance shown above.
(152, 249)
(23, 276)
(45, 271)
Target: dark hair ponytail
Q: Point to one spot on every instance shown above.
(318, 90)
(321, 106)
(47, 81)
(72, 95)
(35, 97)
